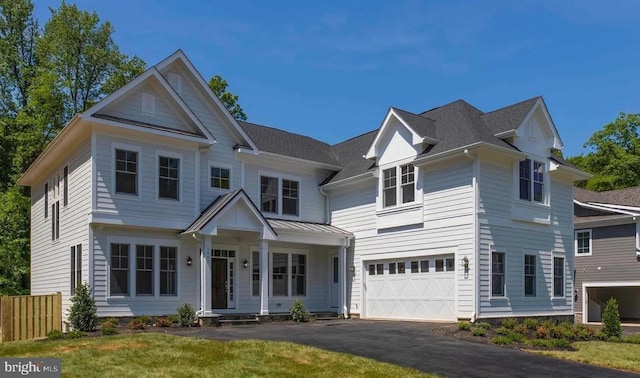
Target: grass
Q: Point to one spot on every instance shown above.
(158, 355)
(612, 355)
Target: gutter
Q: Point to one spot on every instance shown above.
(327, 216)
(465, 150)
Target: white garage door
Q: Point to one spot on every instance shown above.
(420, 288)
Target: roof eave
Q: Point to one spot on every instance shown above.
(348, 180)
(466, 149)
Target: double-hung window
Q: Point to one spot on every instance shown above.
(66, 185)
(497, 274)
(279, 196)
(583, 242)
(530, 275)
(55, 221)
(76, 267)
(126, 172)
(531, 181)
(119, 270)
(168, 271)
(288, 267)
(144, 270)
(558, 277)
(405, 192)
(255, 273)
(168, 177)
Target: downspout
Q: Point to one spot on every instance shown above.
(637, 238)
(200, 312)
(327, 216)
(476, 239)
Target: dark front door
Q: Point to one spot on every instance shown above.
(219, 283)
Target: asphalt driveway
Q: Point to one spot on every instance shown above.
(410, 344)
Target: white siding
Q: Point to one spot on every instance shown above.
(50, 260)
(146, 206)
(500, 233)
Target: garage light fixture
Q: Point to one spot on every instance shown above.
(465, 263)
(189, 261)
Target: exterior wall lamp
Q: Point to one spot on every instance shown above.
(189, 261)
(353, 270)
(245, 264)
(465, 263)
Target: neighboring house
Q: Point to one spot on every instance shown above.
(156, 196)
(607, 250)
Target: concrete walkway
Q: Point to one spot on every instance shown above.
(411, 344)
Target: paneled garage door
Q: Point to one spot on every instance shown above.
(420, 288)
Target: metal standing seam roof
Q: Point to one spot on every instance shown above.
(288, 225)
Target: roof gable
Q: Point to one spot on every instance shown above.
(420, 130)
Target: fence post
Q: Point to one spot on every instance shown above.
(6, 318)
(57, 311)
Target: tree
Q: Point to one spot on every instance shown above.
(615, 160)
(219, 87)
(82, 315)
(611, 319)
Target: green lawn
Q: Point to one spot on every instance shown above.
(158, 355)
(623, 356)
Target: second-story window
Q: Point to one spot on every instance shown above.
(531, 179)
(220, 178)
(279, 195)
(168, 177)
(269, 194)
(408, 183)
(289, 197)
(389, 187)
(392, 193)
(126, 172)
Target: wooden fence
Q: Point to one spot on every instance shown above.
(29, 316)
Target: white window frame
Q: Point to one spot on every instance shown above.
(553, 276)
(280, 177)
(289, 252)
(535, 275)
(132, 148)
(417, 193)
(575, 242)
(172, 155)
(213, 164)
(504, 277)
(156, 243)
(546, 180)
(75, 267)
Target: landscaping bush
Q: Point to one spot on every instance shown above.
(464, 325)
(83, 309)
(516, 337)
(503, 331)
(611, 319)
(136, 324)
(55, 335)
(110, 323)
(478, 331)
(106, 331)
(614, 339)
(520, 329)
(635, 339)
(564, 330)
(551, 343)
(298, 312)
(186, 315)
(584, 332)
(601, 336)
(501, 340)
(484, 325)
(509, 323)
(146, 319)
(543, 332)
(548, 323)
(174, 319)
(163, 322)
(531, 323)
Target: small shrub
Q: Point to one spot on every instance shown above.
(464, 325)
(163, 322)
(543, 332)
(564, 330)
(509, 323)
(601, 336)
(516, 337)
(75, 334)
(548, 323)
(83, 311)
(635, 339)
(520, 329)
(611, 319)
(107, 331)
(614, 339)
(531, 323)
(484, 325)
(136, 324)
(478, 331)
(110, 323)
(503, 331)
(186, 315)
(584, 332)
(174, 319)
(55, 335)
(298, 312)
(146, 319)
(501, 340)
(550, 343)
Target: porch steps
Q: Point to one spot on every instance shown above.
(237, 319)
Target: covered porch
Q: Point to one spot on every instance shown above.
(252, 265)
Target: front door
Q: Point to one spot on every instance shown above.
(335, 287)
(219, 283)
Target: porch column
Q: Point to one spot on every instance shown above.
(205, 275)
(264, 277)
(342, 271)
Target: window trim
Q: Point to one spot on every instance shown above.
(171, 155)
(504, 277)
(128, 147)
(252, 261)
(535, 275)
(213, 164)
(575, 242)
(553, 276)
(279, 177)
(289, 252)
(399, 204)
(545, 175)
(75, 267)
(46, 200)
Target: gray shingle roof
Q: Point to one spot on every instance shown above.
(510, 117)
(624, 197)
(351, 154)
(285, 143)
(425, 127)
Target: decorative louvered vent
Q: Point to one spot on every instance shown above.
(148, 104)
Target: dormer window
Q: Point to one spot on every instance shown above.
(532, 181)
(392, 193)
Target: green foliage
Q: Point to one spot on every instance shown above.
(55, 335)
(136, 324)
(633, 339)
(509, 323)
(464, 325)
(584, 332)
(187, 315)
(145, 319)
(520, 329)
(75, 334)
(14, 242)
(478, 331)
(483, 325)
(163, 322)
(503, 331)
(550, 343)
(531, 323)
(298, 312)
(564, 330)
(82, 315)
(615, 157)
(174, 319)
(614, 339)
(110, 323)
(107, 331)
(543, 332)
(516, 337)
(611, 319)
(501, 340)
(230, 101)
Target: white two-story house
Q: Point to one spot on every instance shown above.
(156, 196)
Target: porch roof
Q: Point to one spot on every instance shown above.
(289, 225)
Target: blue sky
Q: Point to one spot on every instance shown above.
(330, 70)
